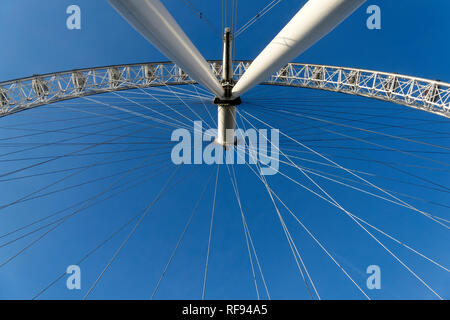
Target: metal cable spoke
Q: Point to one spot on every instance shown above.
(210, 235)
(29, 197)
(347, 170)
(368, 232)
(180, 239)
(100, 245)
(82, 167)
(236, 192)
(258, 16)
(85, 205)
(117, 252)
(147, 178)
(69, 175)
(296, 254)
(314, 238)
(346, 120)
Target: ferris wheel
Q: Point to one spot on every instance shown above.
(338, 174)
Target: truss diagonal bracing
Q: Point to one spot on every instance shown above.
(21, 94)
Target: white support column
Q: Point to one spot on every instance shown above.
(157, 25)
(316, 19)
(226, 109)
(226, 122)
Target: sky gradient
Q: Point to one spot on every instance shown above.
(412, 41)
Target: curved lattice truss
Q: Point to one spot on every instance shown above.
(21, 94)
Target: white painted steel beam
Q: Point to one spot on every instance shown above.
(316, 19)
(226, 123)
(17, 95)
(226, 112)
(157, 25)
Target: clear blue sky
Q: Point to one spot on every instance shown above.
(413, 41)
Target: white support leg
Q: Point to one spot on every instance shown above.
(157, 25)
(316, 19)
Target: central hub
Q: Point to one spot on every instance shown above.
(226, 106)
(226, 120)
(227, 102)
